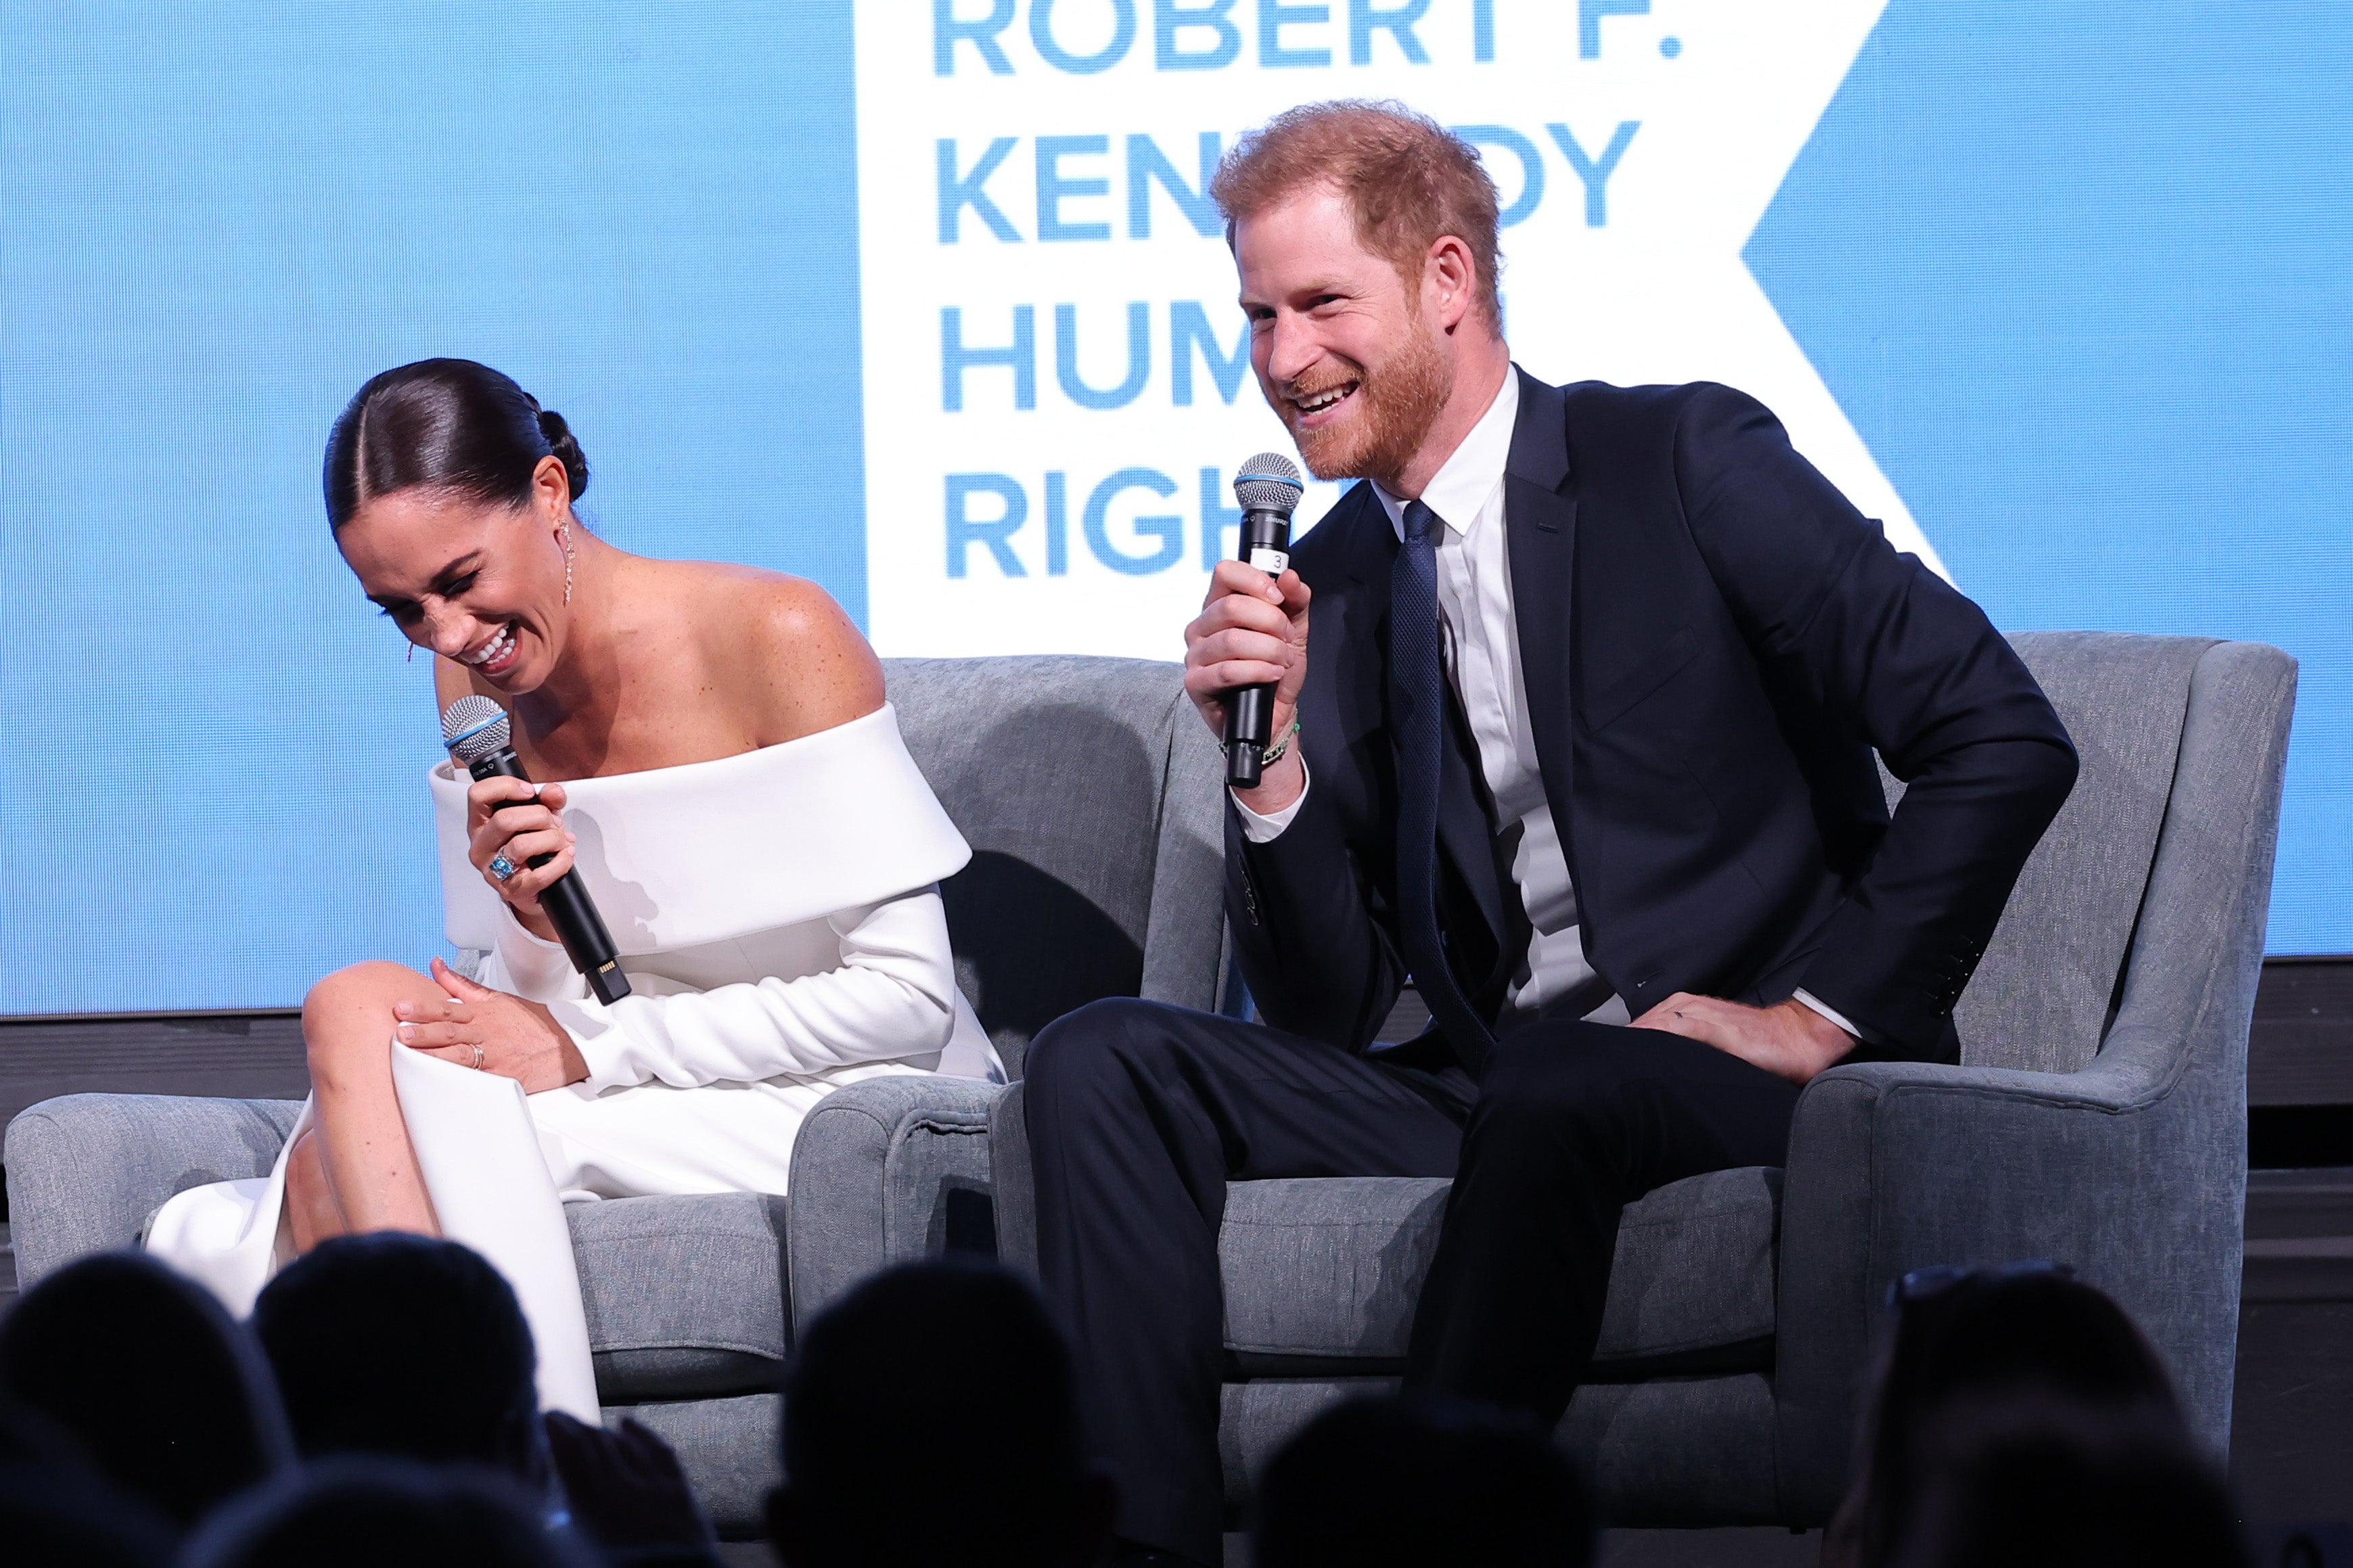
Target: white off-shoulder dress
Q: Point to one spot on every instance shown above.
(779, 918)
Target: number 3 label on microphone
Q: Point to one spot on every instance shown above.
(1273, 562)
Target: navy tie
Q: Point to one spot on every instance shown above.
(1417, 712)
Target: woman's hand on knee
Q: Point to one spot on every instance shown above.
(475, 1026)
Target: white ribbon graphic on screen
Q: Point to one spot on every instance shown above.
(1054, 388)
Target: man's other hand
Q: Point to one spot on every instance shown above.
(1788, 1039)
(1251, 631)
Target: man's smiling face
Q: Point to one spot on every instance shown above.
(1344, 352)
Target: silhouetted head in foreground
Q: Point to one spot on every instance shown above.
(393, 1343)
(2029, 1481)
(1397, 1481)
(160, 1389)
(372, 1512)
(931, 1416)
(57, 1511)
(1979, 1337)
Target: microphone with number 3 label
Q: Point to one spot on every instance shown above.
(1267, 488)
(479, 734)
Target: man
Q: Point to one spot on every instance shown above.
(1583, 735)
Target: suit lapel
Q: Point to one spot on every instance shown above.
(1540, 524)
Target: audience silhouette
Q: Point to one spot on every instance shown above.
(2016, 1419)
(164, 1395)
(1380, 1482)
(1977, 1337)
(2035, 1481)
(407, 1345)
(55, 1508)
(370, 1511)
(931, 1416)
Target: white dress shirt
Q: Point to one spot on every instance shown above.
(1480, 640)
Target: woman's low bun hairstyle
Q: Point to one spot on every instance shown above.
(565, 449)
(445, 425)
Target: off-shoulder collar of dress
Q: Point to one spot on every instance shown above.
(702, 852)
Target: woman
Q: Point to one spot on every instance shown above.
(742, 810)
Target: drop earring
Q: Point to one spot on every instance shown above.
(563, 537)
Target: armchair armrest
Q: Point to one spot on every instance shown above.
(2126, 1172)
(85, 1171)
(876, 1172)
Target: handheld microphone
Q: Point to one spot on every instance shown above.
(1267, 488)
(479, 735)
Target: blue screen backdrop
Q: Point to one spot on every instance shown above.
(220, 220)
(2082, 278)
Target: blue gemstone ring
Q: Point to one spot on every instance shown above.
(501, 866)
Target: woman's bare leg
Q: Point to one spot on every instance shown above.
(312, 1214)
(363, 1174)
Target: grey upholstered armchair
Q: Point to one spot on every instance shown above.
(1088, 791)
(2098, 1120)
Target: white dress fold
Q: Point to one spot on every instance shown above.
(778, 916)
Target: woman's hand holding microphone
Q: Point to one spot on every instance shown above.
(503, 838)
(477, 1026)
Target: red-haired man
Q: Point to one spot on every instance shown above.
(1585, 737)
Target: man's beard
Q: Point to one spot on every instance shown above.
(1399, 407)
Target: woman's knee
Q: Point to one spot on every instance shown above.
(348, 1017)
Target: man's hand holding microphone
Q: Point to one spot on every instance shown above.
(1246, 653)
(1253, 631)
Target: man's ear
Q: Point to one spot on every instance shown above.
(1450, 281)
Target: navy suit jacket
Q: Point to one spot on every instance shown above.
(1714, 641)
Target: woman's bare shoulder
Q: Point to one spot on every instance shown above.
(782, 648)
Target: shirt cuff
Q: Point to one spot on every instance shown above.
(1260, 828)
(540, 970)
(606, 1050)
(1832, 1014)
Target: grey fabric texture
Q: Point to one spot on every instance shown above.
(1327, 1267)
(1335, 1267)
(1016, 1188)
(2040, 997)
(1088, 789)
(1678, 1453)
(872, 1172)
(730, 1451)
(1684, 1453)
(679, 1292)
(85, 1171)
(1255, 1419)
(2133, 1169)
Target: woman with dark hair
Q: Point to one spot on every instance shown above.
(736, 800)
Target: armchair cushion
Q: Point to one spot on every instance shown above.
(684, 1295)
(1323, 1270)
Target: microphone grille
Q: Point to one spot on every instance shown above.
(1269, 482)
(474, 727)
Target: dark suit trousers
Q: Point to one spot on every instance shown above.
(1139, 1114)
